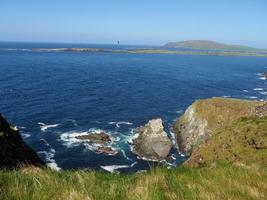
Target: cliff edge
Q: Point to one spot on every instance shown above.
(221, 126)
(13, 151)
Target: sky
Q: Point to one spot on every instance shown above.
(137, 22)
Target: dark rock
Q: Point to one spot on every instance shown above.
(106, 150)
(97, 138)
(13, 151)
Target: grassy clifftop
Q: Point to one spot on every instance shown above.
(230, 164)
(243, 142)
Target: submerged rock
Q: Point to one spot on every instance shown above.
(152, 142)
(13, 151)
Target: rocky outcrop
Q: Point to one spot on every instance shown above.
(190, 130)
(97, 138)
(100, 140)
(151, 141)
(13, 151)
(205, 117)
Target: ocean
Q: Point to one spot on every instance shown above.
(52, 96)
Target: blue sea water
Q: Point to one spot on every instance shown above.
(52, 96)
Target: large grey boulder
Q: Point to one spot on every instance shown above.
(151, 141)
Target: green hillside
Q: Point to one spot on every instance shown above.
(209, 45)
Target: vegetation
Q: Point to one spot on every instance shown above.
(219, 181)
(220, 112)
(234, 167)
(209, 45)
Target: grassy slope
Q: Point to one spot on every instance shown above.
(222, 111)
(220, 181)
(233, 166)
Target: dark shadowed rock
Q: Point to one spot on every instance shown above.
(97, 138)
(152, 142)
(13, 151)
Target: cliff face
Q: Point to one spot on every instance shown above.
(13, 151)
(206, 117)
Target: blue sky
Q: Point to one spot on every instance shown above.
(152, 22)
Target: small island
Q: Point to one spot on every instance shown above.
(192, 47)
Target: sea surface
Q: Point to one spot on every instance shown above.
(52, 96)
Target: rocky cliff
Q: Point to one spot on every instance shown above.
(206, 117)
(13, 151)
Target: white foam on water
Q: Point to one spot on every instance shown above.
(262, 78)
(258, 89)
(245, 90)
(125, 156)
(253, 97)
(263, 93)
(44, 126)
(133, 137)
(173, 138)
(120, 123)
(69, 139)
(173, 157)
(226, 96)
(50, 157)
(25, 135)
(179, 111)
(113, 168)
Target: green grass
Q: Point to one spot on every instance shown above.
(244, 141)
(220, 181)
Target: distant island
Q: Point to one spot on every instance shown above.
(190, 47)
(209, 45)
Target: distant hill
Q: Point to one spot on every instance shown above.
(208, 45)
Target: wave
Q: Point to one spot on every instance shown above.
(25, 135)
(125, 156)
(44, 126)
(245, 90)
(114, 168)
(50, 156)
(263, 93)
(121, 123)
(258, 89)
(252, 97)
